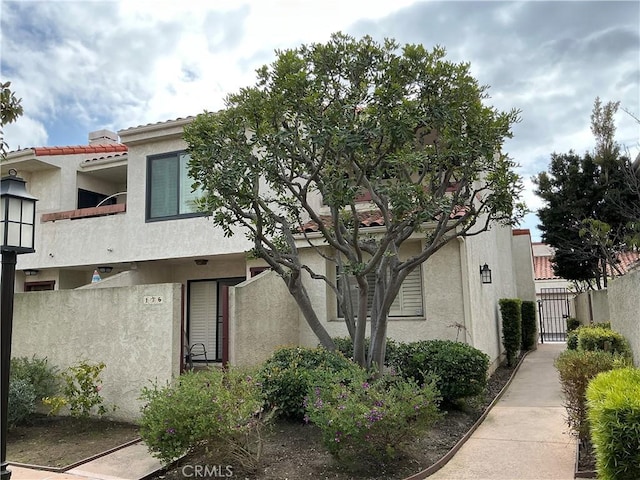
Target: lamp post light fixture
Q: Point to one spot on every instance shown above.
(17, 235)
(105, 269)
(485, 273)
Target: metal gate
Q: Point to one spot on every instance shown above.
(553, 310)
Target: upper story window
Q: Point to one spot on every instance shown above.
(169, 192)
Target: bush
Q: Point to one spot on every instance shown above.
(572, 336)
(614, 416)
(576, 369)
(510, 310)
(529, 325)
(22, 399)
(364, 421)
(217, 412)
(345, 346)
(286, 375)
(81, 390)
(600, 338)
(461, 369)
(572, 324)
(38, 372)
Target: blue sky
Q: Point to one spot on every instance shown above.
(84, 66)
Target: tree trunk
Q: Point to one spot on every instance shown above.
(361, 323)
(299, 293)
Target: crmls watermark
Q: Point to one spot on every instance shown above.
(207, 471)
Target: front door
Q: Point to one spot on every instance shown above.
(207, 319)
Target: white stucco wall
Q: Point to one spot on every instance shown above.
(263, 317)
(139, 342)
(591, 306)
(523, 266)
(624, 305)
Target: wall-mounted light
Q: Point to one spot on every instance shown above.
(201, 261)
(30, 272)
(105, 269)
(485, 273)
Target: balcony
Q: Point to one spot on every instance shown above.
(85, 213)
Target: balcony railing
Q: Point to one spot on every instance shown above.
(85, 213)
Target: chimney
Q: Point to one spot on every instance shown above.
(102, 137)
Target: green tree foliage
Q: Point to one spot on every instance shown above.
(10, 110)
(327, 123)
(586, 216)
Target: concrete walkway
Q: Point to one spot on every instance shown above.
(524, 437)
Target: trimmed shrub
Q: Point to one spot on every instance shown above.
(600, 338)
(364, 421)
(576, 369)
(22, 404)
(510, 310)
(572, 324)
(614, 415)
(38, 372)
(216, 412)
(529, 325)
(286, 376)
(460, 369)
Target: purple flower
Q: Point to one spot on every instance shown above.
(365, 385)
(171, 431)
(306, 418)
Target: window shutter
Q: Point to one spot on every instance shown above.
(408, 303)
(203, 315)
(164, 194)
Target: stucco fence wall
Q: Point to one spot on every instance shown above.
(592, 306)
(624, 305)
(134, 330)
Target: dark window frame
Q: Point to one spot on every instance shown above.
(148, 193)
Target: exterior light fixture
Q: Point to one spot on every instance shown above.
(30, 272)
(17, 235)
(105, 269)
(201, 261)
(485, 273)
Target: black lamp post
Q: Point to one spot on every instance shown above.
(485, 273)
(17, 235)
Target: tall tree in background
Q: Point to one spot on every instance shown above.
(327, 124)
(10, 110)
(582, 218)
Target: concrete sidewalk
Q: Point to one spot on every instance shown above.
(524, 436)
(130, 463)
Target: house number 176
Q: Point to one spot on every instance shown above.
(151, 300)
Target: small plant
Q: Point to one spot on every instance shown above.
(510, 310)
(614, 416)
(366, 421)
(81, 391)
(286, 376)
(577, 368)
(529, 325)
(460, 369)
(22, 404)
(37, 371)
(215, 412)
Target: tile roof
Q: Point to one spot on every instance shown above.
(369, 219)
(119, 156)
(543, 265)
(76, 149)
(189, 117)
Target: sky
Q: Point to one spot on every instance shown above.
(81, 66)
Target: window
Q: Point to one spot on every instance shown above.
(408, 303)
(169, 192)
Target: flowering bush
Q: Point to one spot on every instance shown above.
(362, 418)
(215, 411)
(81, 390)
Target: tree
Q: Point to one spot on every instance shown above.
(10, 110)
(586, 217)
(328, 123)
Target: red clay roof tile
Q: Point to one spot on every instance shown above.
(80, 149)
(543, 265)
